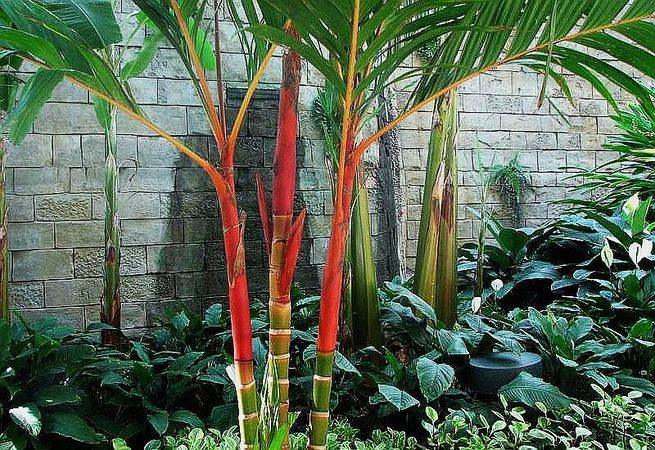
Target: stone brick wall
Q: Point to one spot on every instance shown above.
(499, 118)
(171, 235)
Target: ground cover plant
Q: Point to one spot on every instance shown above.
(578, 291)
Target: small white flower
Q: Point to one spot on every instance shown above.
(476, 304)
(497, 285)
(638, 251)
(646, 249)
(607, 255)
(631, 205)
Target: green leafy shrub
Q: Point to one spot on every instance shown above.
(41, 405)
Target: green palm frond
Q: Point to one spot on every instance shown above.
(49, 34)
(243, 13)
(475, 37)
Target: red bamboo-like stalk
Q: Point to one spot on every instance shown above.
(233, 236)
(330, 302)
(282, 234)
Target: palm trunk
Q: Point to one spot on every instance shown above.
(329, 310)
(424, 272)
(5, 313)
(442, 149)
(445, 210)
(364, 299)
(284, 236)
(110, 313)
(238, 297)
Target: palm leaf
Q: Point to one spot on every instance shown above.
(33, 96)
(476, 37)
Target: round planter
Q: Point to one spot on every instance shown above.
(488, 373)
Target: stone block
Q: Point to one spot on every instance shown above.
(45, 180)
(147, 287)
(169, 118)
(133, 315)
(73, 317)
(58, 207)
(156, 152)
(76, 292)
(496, 83)
(79, 234)
(42, 264)
(138, 205)
(190, 204)
(93, 150)
(200, 230)
(64, 118)
(89, 262)
(26, 295)
(31, 236)
(87, 180)
(201, 284)
(473, 121)
(520, 122)
(67, 92)
(21, 208)
(34, 151)
(144, 90)
(151, 231)
(67, 150)
(192, 179)
(542, 141)
(147, 179)
(175, 258)
(177, 92)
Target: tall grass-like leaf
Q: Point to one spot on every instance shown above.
(33, 96)
(92, 19)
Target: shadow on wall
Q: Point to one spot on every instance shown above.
(198, 260)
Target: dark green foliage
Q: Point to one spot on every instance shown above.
(632, 171)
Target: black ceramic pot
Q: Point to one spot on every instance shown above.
(488, 373)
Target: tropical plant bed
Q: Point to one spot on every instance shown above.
(596, 389)
(578, 293)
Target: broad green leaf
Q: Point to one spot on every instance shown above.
(433, 378)
(119, 444)
(213, 315)
(93, 20)
(530, 390)
(401, 400)
(187, 418)
(159, 422)
(71, 426)
(417, 302)
(27, 417)
(56, 395)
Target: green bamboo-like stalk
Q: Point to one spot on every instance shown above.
(320, 415)
(442, 141)
(445, 218)
(482, 232)
(110, 313)
(365, 308)
(5, 313)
